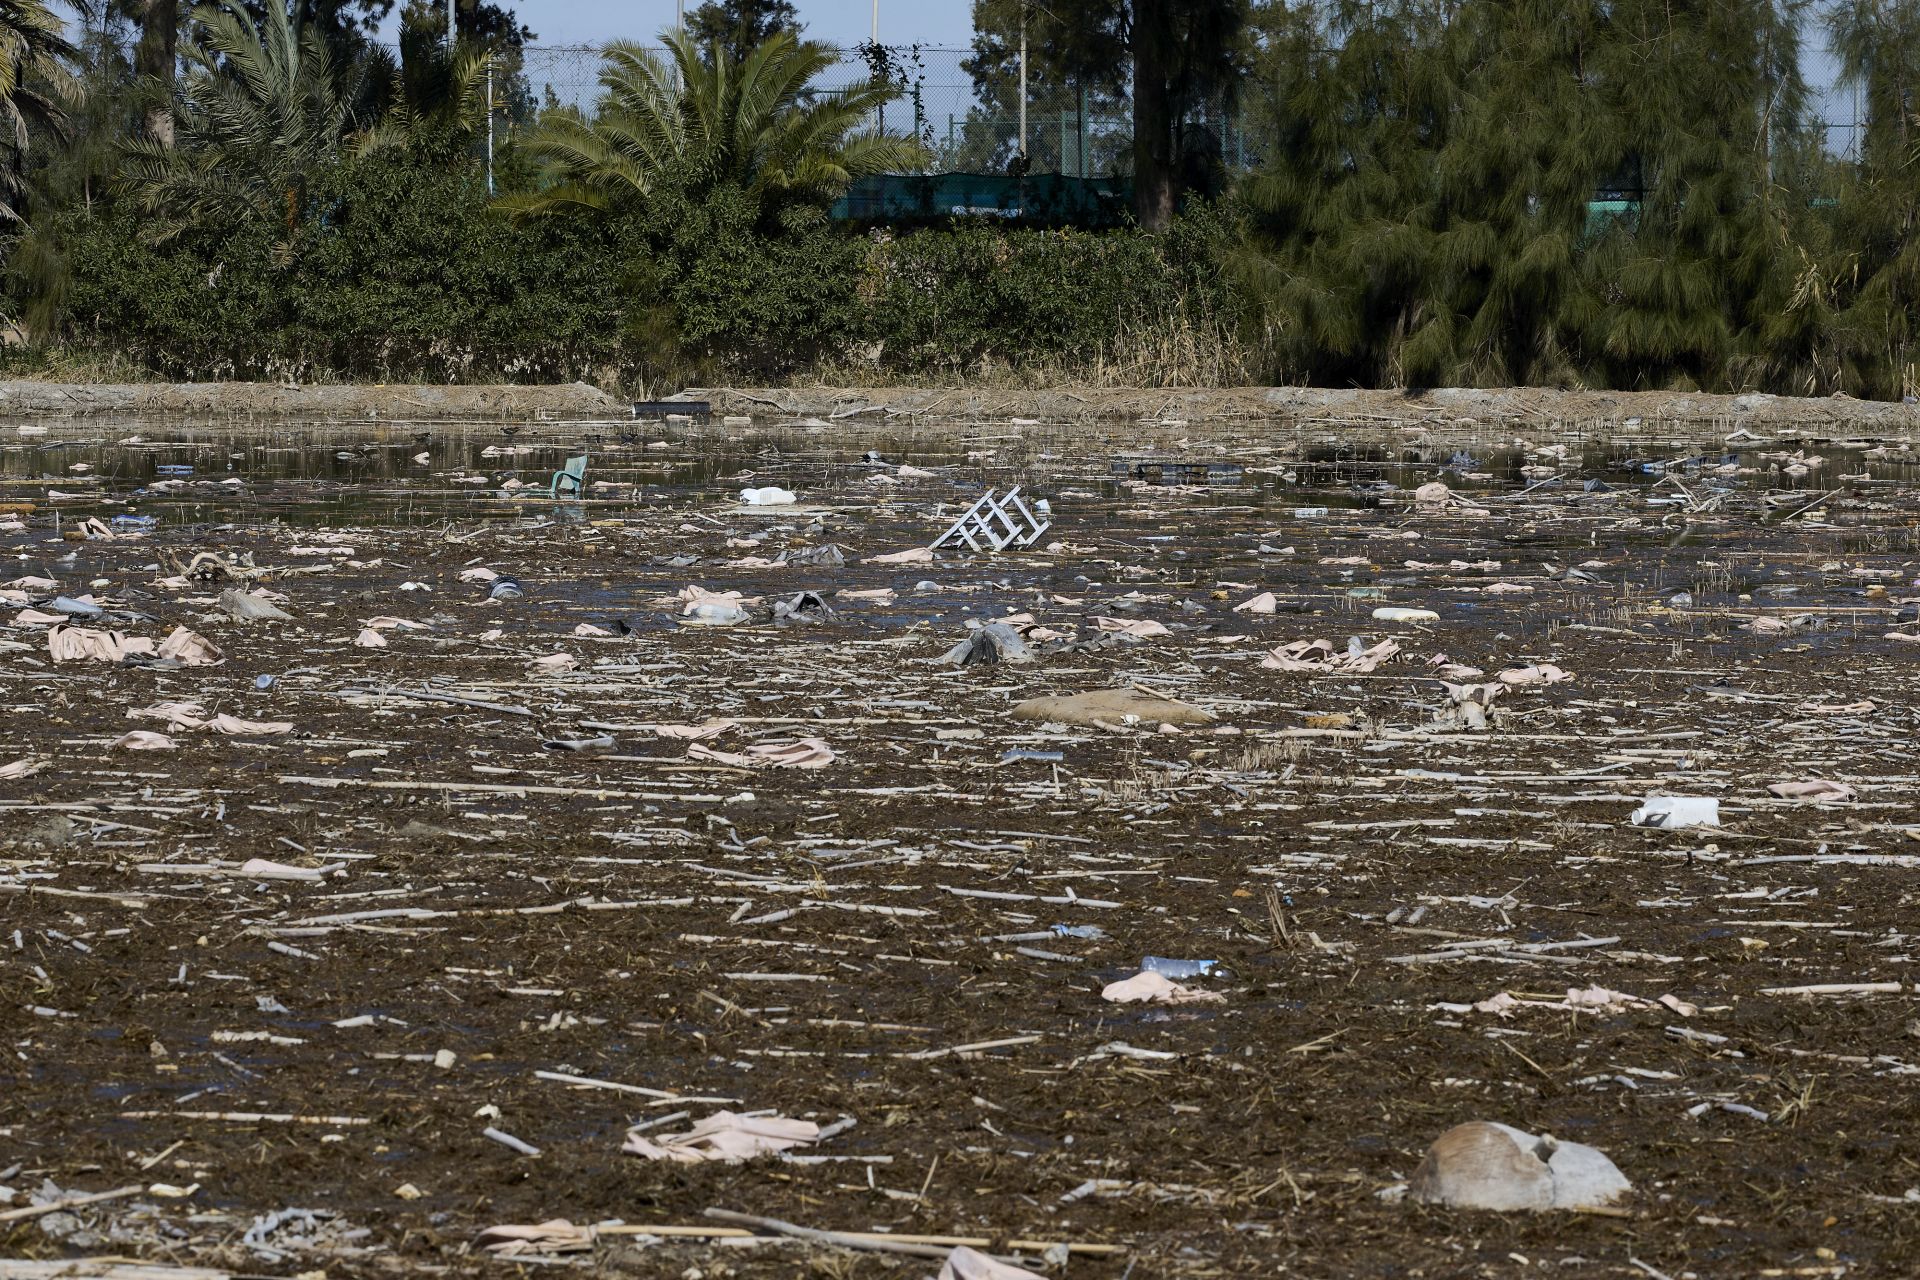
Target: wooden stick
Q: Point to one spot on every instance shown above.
(841, 1239)
(498, 788)
(506, 1139)
(978, 1047)
(944, 1243)
(738, 1233)
(676, 1232)
(102, 1269)
(1072, 1246)
(70, 1202)
(153, 1160)
(246, 1117)
(587, 1082)
(392, 691)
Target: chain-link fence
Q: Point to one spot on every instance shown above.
(963, 128)
(562, 74)
(1836, 108)
(968, 128)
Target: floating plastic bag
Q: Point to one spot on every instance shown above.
(770, 496)
(1677, 811)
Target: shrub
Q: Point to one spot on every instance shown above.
(202, 306)
(412, 273)
(974, 298)
(403, 271)
(731, 299)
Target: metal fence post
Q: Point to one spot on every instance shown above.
(1083, 131)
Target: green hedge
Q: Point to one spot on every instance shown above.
(401, 271)
(408, 272)
(953, 301)
(397, 272)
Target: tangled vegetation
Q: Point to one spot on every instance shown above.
(1603, 193)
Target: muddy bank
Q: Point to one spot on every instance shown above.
(355, 402)
(1623, 410)
(295, 932)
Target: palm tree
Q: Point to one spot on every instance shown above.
(156, 61)
(263, 108)
(438, 96)
(705, 120)
(36, 82)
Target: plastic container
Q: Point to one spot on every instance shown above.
(1178, 969)
(714, 613)
(1677, 811)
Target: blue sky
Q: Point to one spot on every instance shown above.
(940, 23)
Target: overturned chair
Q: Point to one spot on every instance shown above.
(999, 522)
(573, 476)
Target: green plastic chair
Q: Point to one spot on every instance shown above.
(574, 477)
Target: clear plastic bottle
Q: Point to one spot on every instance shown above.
(1178, 969)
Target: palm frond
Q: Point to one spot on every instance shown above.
(693, 122)
(262, 109)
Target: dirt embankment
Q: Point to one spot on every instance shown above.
(1621, 414)
(360, 402)
(1829, 416)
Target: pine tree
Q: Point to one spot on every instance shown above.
(1184, 59)
(1520, 163)
(1425, 214)
(1877, 216)
(1696, 94)
(1055, 87)
(1354, 102)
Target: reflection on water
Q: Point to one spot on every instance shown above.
(305, 476)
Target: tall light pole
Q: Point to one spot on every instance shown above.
(1023, 81)
(873, 39)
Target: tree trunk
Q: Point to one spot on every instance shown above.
(1153, 166)
(155, 58)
